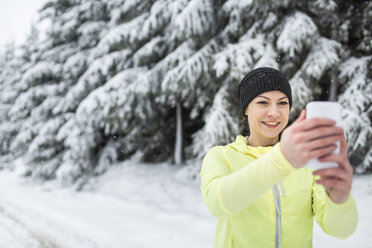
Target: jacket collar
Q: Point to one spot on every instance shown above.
(240, 145)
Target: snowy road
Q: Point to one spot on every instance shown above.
(14, 234)
(131, 206)
(133, 211)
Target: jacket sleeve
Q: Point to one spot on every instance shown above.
(226, 192)
(337, 220)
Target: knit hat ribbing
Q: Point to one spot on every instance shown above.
(261, 80)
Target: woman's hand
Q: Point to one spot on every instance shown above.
(337, 181)
(307, 139)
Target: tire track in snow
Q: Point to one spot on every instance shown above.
(42, 227)
(14, 234)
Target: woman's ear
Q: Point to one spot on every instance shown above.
(246, 111)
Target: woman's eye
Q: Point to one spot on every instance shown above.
(262, 102)
(283, 103)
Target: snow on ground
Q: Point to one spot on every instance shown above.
(132, 205)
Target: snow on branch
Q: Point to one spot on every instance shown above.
(124, 36)
(40, 73)
(220, 126)
(75, 66)
(367, 161)
(196, 19)
(111, 107)
(162, 13)
(124, 10)
(323, 56)
(44, 111)
(358, 128)
(357, 101)
(8, 130)
(299, 31)
(150, 82)
(60, 54)
(232, 5)
(29, 129)
(28, 100)
(357, 95)
(79, 155)
(173, 59)
(90, 33)
(301, 93)
(322, 7)
(98, 72)
(190, 74)
(46, 145)
(238, 59)
(151, 52)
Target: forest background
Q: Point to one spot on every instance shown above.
(157, 79)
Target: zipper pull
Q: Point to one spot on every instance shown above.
(281, 185)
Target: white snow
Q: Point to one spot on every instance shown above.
(298, 32)
(122, 36)
(132, 205)
(188, 74)
(219, 125)
(323, 56)
(196, 19)
(241, 57)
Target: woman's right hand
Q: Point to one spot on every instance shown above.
(307, 139)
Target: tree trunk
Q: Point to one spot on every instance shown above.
(178, 151)
(333, 88)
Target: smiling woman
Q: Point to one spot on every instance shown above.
(268, 116)
(243, 182)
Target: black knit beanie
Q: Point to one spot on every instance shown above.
(259, 81)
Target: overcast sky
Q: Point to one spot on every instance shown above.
(15, 19)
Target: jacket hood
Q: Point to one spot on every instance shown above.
(240, 145)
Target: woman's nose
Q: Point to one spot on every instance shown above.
(273, 111)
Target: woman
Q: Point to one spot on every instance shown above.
(259, 188)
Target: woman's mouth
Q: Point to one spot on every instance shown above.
(271, 124)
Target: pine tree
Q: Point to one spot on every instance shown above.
(356, 98)
(158, 78)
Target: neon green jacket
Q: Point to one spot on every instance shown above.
(262, 201)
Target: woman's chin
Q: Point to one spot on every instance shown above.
(271, 135)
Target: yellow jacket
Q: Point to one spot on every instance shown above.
(262, 201)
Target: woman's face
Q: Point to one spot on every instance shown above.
(268, 115)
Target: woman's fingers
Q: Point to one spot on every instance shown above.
(344, 146)
(320, 152)
(324, 141)
(313, 123)
(337, 181)
(320, 133)
(334, 184)
(332, 173)
(341, 159)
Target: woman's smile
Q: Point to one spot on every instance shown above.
(271, 124)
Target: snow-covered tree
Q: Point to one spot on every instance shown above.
(158, 77)
(356, 98)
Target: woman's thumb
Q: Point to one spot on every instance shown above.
(301, 117)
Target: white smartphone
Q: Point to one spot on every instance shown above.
(330, 110)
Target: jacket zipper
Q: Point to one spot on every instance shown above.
(277, 214)
(281, 185)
